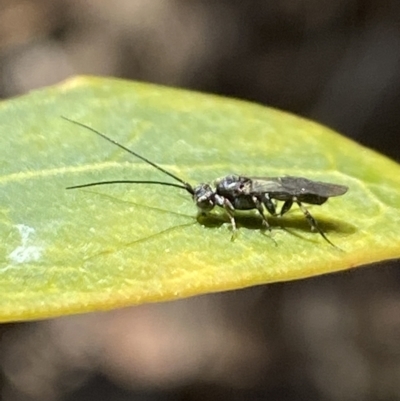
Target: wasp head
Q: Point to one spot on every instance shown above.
(204, 197)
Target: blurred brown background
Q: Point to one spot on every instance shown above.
(328, 338)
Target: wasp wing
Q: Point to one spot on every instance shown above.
(294, 186)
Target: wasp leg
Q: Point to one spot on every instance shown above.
(258, 204)
(230, 210)
(312, 222)
(227, 205)
(286, 207)
(270, 206)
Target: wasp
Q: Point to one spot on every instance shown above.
(236, 192)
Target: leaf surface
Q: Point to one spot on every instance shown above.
(72, 251)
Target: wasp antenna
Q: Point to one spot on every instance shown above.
(167, 184)
(186, 185)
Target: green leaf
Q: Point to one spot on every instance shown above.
(69, 251)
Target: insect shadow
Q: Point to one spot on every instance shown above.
(235, 193)
(153, 236)
(293, 225)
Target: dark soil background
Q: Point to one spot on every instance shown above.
(333, 338)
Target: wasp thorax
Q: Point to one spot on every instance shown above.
(204, 197)
(231, 185)
(227, 182)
